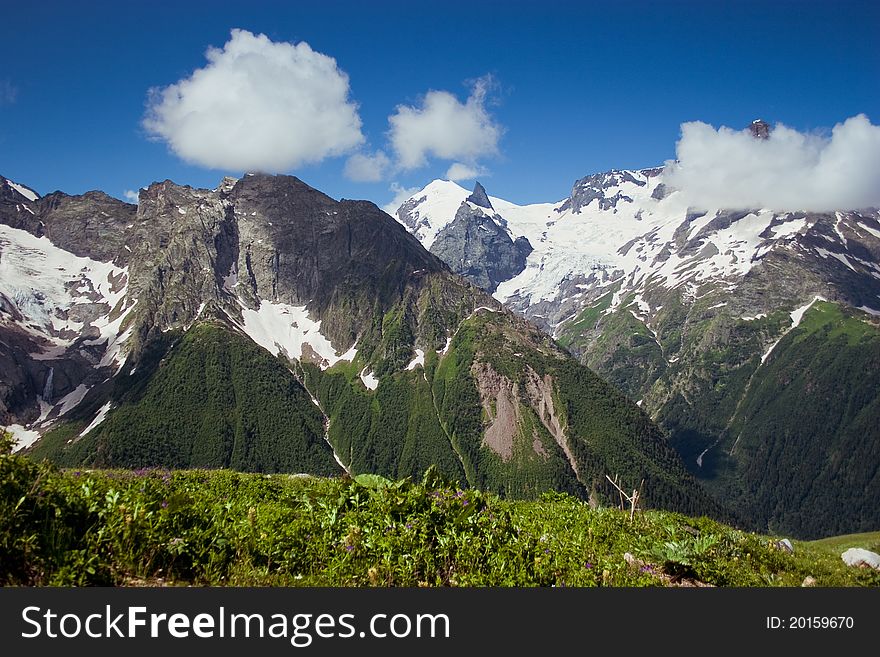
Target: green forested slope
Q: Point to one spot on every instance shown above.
(436, 415)
(502, 409)
(212, 399)
(809, 427)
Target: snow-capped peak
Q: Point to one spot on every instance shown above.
(23, 190)
(622, 230)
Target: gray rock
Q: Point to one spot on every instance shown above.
(861, 558)
(595, 188)
(785, 545)
(479, 197)
(760, 129)
(660, 192)
(480, 249)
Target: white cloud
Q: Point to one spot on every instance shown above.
(131, 196)
(363, 167)
(443, 127)
(789, 171)
(459, 171)
(401, 194)
(257, 105)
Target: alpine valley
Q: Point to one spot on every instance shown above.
(264, 326)
(750, 336)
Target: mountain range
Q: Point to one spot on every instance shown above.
(265, 326)
(724, 361)
(750, 336)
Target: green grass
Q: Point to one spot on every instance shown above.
(834, 321)
(218, 527)
(839, 544)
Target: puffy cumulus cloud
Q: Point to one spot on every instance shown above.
(131, 196)
(442, 126)
(459, 171)
(257, 105)
(401, 194)
(790, 170)
(365, 167)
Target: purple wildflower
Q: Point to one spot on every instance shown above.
(164, 504)
(588, 565)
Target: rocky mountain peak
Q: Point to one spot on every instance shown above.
(226, 184)
(16, 192)
(606, 188)
(760, 129)
(479, 197)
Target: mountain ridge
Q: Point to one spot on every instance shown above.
(390, 361)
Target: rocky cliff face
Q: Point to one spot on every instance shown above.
(477, 243)
(477, 247)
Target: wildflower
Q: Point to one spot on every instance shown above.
(588, 565)
(164, 504)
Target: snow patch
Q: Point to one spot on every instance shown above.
(796, 316)
(23, 437)
(873, 231)
(72, 399)
(283, 329)
(798, 313)
(28, 193)
(789, 229)
(102, 413)
(837, 256)
(369, 380)
(419, 360)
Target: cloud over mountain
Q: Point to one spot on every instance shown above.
(789, 170)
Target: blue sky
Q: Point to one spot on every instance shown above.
(575, 88)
